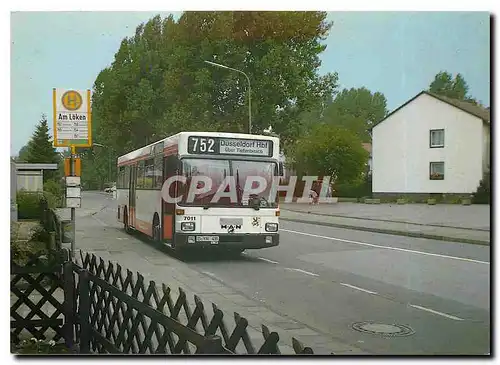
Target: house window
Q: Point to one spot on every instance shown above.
(437, 138)
(436, 171)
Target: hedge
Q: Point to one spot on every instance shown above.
(29, 203)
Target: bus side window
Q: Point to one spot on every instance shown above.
(148, 174)
(127, 177)
(140, 175)
(158, 172)
(119, 180)
(280, 169)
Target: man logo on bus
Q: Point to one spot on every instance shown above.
(71, 100)
(231, 227)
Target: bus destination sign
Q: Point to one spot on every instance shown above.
(229, 146)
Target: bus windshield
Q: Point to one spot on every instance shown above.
(217, 170)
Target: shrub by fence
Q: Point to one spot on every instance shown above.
(30, 204)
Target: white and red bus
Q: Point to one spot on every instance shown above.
(199, 221)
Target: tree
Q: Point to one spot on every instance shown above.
(158, 83)
(357, 110)
(457, 88)
(330, 151)
(354, 109)
(41, 150)
(23, 155)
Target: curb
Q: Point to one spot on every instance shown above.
(384, 220)
(393, 232)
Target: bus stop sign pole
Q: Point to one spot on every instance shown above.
(73, 210)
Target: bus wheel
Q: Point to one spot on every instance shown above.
(156, 229)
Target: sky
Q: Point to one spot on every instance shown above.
(395, 53)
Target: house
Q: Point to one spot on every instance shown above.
(431, 144)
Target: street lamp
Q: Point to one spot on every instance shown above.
(109, 158)
(249, 92)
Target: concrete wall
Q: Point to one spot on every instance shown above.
(30, 180)
(401, 152)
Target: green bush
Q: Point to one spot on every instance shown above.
(28, 204)
(35, 346)
(23, 251)
(482, 195)
(358, 190)
(52, 201)
(55, 188)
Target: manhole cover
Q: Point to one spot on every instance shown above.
(391, 330)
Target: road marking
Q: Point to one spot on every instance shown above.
(358, 288)
(302, 271)
(267, 260)
(388, 248)
(436, 312)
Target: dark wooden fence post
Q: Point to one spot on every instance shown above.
(213, 345)
(84, 311)
(69, 303)
(44, 206)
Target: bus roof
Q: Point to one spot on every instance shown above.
(174, 140)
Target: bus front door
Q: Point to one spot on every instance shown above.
(170, 168)
(132, 197)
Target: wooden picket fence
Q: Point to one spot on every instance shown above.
(35, 287)
(110, 310)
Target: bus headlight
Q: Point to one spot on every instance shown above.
(271, 227)
(187, 226)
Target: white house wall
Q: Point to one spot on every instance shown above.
(401, 153)
(388, 155)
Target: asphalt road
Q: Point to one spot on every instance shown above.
(331, 278)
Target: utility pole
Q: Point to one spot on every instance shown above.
(249, 91)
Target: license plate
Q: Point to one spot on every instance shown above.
(214, 240)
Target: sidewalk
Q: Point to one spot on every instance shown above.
(109, 243)
(469, 224)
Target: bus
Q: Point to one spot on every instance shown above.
(250, 222)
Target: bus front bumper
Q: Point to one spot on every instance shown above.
(227, 241)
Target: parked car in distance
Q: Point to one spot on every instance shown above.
(110, 189)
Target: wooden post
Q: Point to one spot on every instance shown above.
(213, 345)
(84, 312)
(73, 211)
(52, 253)
(69, 304)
